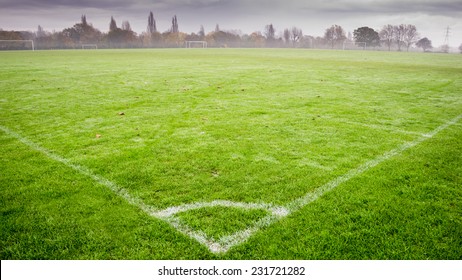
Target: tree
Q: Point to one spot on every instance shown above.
(201, 33)
(334, 34)
(152, 28)
(223, 39)
(270, 35)
(296, 35)
(10, 35)
(40, 32)
(307, 41)
(399, 32)
(173, 40)
(121, 37)
(425, 44)
(126, 26)
(175, 25)
(81, 33)
(460, 48)
(257, 40)
(112, 25)
(286, 35)
(270, 32)
(367, 35)
(387, 34)
(410, 35)
(84, 20)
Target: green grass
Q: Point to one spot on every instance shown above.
(251, 126)
(220, 221)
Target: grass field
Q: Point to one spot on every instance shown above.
(230, 154)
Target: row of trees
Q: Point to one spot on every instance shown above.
(391, 37)
(401, 35)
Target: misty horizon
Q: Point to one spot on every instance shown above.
(430, 17)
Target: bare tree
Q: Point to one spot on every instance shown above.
(399, 34)
(296, 35)
(126, 26)
(286, 35)
(410, 35)
(334, 34)
(387, 34)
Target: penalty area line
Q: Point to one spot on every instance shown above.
(277, 213)
(123, 193)
(227, 242)
(166, 215)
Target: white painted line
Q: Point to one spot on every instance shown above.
(166, 215)
(226, 242)
(230, 241)
(123, 193)
(382, 127)
(276, 213)
(275, 210)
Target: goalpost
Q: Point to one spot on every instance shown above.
(191, 44)
(17, 44)
(89, 46)
(354, 45)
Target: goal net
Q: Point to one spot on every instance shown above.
(12, 45)
(354, 45)
(89, 46)
(196, 44)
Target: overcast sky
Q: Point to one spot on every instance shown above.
(431, 17)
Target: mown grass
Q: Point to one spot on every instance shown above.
(407, 208)
(218, 221)
(242, 125)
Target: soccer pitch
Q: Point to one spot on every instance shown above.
(230, 154)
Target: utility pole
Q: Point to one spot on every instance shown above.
(446, 38)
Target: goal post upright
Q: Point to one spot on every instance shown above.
(188, 44)
(21, 41)
(89, 46)
(362, 45)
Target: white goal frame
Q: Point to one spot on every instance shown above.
(189, 44)
(21, 41)
(357, 45)
(89, 46)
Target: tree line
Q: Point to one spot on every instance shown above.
(399, 37)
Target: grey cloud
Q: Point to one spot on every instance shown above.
(443, 7)
(431, 7)
(50, 4)
(249, 15)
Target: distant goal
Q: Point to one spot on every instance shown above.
(354, 46)
(15, 45)
(196, 44)
(89, 46)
